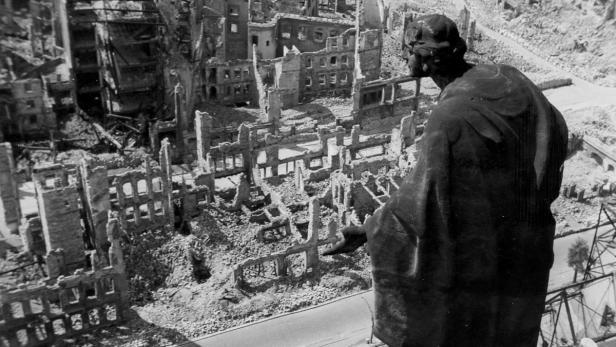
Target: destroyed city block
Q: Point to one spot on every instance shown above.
(171, 169)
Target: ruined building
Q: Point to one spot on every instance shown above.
(137, 58)
(223, 40)
(116, 60)
(271, 54)
(27, 104)
(36, 90)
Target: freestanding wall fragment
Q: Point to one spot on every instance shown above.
(60, 218)
(203, 128)
(96, 203)
(62, 307)
(10, 212)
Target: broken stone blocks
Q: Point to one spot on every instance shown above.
(572, 193)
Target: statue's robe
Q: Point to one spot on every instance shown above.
(462, 251)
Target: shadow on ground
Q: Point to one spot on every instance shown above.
(134, 332)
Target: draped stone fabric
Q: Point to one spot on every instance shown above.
(462, 251)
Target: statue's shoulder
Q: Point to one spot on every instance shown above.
(491, 82)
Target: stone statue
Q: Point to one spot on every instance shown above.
(462, 251)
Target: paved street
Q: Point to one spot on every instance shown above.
(346, 322)
(341, 323)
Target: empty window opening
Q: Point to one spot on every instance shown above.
(158, 207)
(238, 160)
(127, 188)
(308, 62)
(333, 33)
(333, 60)
(129, 214)
(144, 212)
(157, 184)
(76, 322)
(322, 79)
(286, 31)
(301, 33)
(110, 312)
(255, 40)
(17, 310)
(332, 80)
(315, 163)
(94, 316)
(142, 187)
(36, 305)
(372, 97)
(212, 77)
(107, 285)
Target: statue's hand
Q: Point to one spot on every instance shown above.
(352, 238)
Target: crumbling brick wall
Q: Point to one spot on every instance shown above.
(33, 108)
(277, 263)
(59, 206)
(141, 198)
(328, 72)
(308, 34)
(229, 82)
(96, 202)
(368, 56)
(379, 99)
(236, 21)
(45, 313)
(364, 183)
(10, 211)
(262, 41)
(225, 159)
(31, 233)
(265, 9)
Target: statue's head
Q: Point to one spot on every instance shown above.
(431, 44)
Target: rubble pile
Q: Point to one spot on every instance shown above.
(576, 35)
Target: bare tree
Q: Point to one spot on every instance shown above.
(578, 255)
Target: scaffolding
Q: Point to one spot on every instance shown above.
(586, 308)
(577, 310)
(602, 256)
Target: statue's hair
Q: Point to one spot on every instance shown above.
(444, 49)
